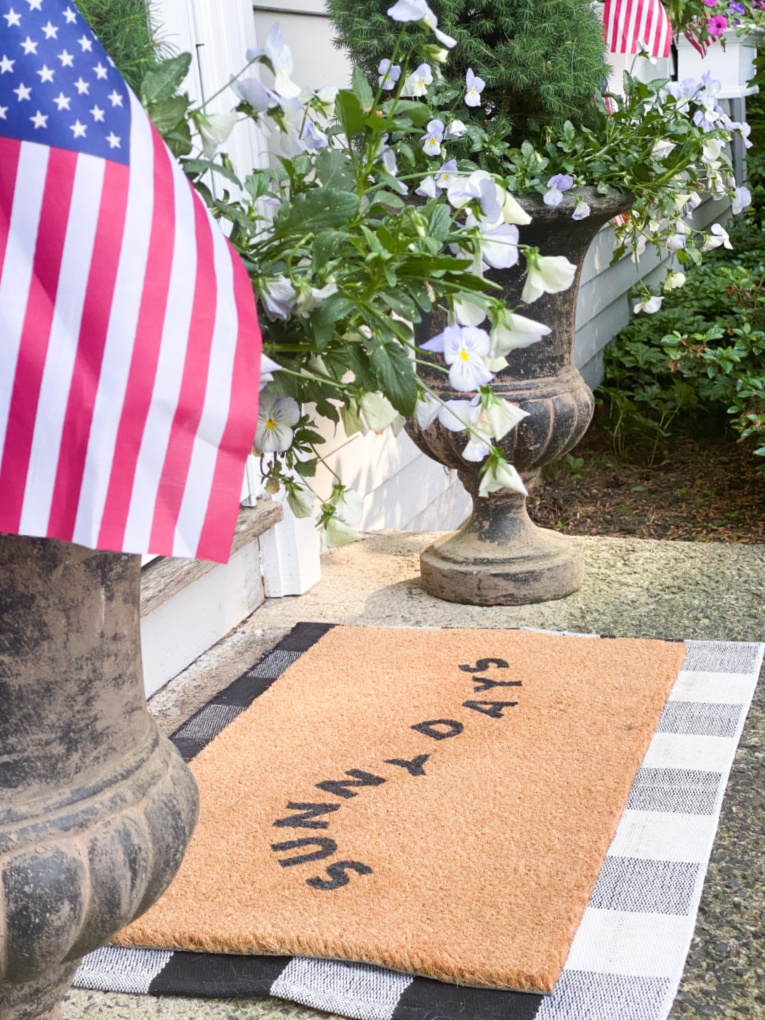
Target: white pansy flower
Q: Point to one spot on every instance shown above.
(278, 297)
(455, 130)
(674, 281)
(719, 236)
(349, 506)
(426, 410)
(499, 246)
(417, 82)
(662, 148)
(511, 331)
(638, 247)
(457, 415)
(327, 96)
(376, 412)
(502, 415)
(649, 305)
(312, 298)
(428, 188)
(281, 60)
(581, 211)
(446, 175)
(468, 313)
(546, 274)
(741, 199)
(418, 10)
(501, 475)
(267, 369)
(474, 86)
(336, 533)
(276, 417)
(465, 347)
(389, 74)
(214, 129)
(711, 150)
(300, 500)
(434, 135)
(513, 212)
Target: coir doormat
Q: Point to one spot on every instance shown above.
(466, 879)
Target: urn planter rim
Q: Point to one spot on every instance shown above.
(616, 200)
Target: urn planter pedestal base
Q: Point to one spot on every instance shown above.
(499, 557)
(96, 806)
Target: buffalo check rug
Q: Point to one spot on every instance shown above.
(622, 954)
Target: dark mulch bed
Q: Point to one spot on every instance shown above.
(701, 488)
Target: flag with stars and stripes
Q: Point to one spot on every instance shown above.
(129, 342)
(632, 26)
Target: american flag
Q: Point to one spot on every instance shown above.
(635, 25)
(129, 342)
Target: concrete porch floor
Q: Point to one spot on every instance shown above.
(633, 588)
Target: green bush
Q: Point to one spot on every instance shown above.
(542, 60)
(702, 355)
(127, 34)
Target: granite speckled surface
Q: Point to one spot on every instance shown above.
(633, 588)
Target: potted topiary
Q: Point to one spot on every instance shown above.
(524, 84)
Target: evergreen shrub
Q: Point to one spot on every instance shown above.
(126, 32)
(542, 60)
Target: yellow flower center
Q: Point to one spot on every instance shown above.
(270, 424)
(464, 355)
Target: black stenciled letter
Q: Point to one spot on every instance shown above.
(483, 664)
(343, 787)
(429, 728)
(327, 848)
(483, 683)
(492, 708)
(413, 767)
(304, 819)
(337, 875)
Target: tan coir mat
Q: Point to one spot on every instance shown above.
(433, 801)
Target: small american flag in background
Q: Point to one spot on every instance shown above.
(634, 25)
(129, 343)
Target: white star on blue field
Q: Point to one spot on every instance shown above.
(57, 84)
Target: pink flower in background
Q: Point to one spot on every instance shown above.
(711, 3)
(717, 24)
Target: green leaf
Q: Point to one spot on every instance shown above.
(402, 304)
(349, 113)
(333, 168)
(193, 167)
(395, 377)
(168, 113)
(179, 140)
(163, 81)
(439, 221)
(319, 209)
(362, 90)
(257, 184)
(386, 201)
(334, 309)
(361, 367)
(418, 113)
(326, 246)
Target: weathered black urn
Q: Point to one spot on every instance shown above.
(498, 556)
(96, 806)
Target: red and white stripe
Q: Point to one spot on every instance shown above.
(129, 355)
(633, 25)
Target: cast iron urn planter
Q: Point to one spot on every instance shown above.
(498, 556)
(96, 806)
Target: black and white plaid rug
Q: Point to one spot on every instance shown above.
(629, 952)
